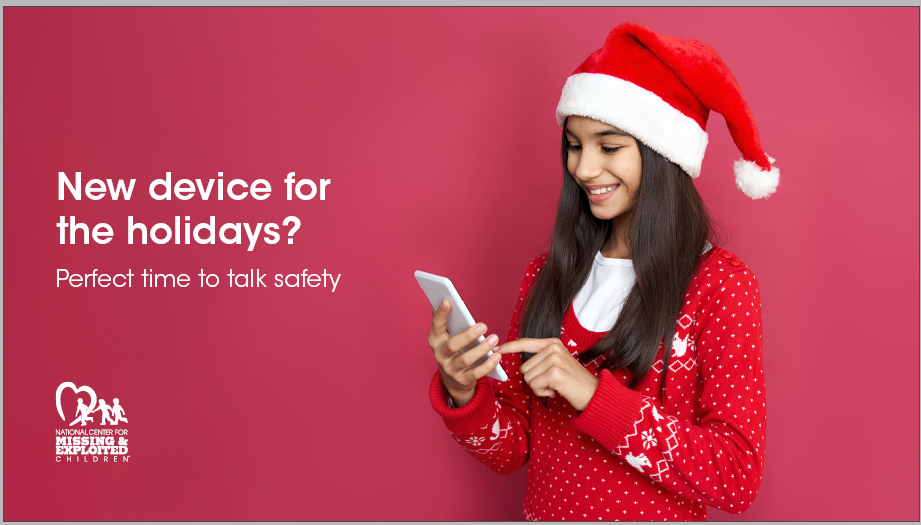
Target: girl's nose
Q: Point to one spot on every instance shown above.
(589, 167)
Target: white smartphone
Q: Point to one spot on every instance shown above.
(438, 288)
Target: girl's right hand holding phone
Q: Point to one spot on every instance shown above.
(457, 370)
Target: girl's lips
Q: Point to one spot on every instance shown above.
(598, 199)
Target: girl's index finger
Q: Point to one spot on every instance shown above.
(523, 345)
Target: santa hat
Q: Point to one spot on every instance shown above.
(660, 89)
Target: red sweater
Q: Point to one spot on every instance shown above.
(627, 456)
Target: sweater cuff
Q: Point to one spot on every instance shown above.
(611, 412)
(477, 414)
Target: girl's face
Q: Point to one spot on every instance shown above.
(606, 164)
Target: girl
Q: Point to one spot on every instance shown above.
(636, 387)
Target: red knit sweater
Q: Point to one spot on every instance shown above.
(627, 456)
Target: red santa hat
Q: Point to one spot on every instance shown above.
(660, 89)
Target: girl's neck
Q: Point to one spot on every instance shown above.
(616, 247)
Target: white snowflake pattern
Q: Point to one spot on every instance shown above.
(648, 439)
(476, 441)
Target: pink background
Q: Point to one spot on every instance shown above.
(437, 129)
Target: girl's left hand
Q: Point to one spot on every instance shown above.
(553, 370)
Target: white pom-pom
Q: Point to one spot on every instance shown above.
(754, 182)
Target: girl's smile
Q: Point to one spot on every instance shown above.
(598, 194)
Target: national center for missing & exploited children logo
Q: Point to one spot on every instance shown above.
(82, 443)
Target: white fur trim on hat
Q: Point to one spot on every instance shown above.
(639, 112)
(753, 181)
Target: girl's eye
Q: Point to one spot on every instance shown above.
(574, 147)
(607, 149)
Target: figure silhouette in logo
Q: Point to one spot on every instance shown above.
(118, 412)
(106, 412)
(82, 413)
(638, 462)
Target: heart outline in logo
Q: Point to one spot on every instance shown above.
(68, 384)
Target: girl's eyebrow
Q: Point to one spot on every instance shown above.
(605, 133)
(609, 132)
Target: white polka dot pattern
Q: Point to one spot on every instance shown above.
(627, 456)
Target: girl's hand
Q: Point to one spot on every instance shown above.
(553, 370)
(456, 369)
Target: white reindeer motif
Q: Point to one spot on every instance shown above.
(657, 417)
(680, 346)
(637, 462)
(495, 430)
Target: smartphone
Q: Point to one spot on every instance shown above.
(438, 288)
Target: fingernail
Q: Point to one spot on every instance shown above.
(480, 328)
(444, 304)
(493, 339)
(496, 356)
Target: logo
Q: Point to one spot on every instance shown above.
(91, 445)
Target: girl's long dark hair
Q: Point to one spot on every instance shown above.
(667, 230)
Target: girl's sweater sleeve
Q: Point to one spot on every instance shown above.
(494, 426)
(718, 458)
